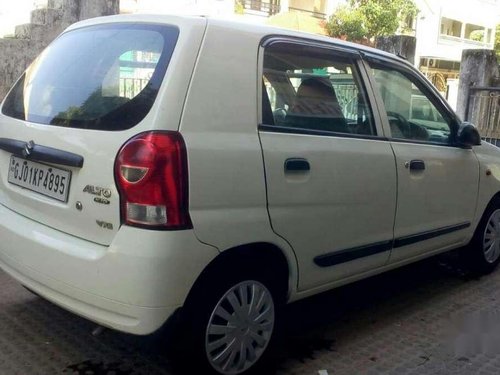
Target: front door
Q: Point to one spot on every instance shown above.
(330, 173)
(437, 180)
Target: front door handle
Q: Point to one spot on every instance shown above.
(297, 165)
(415, 165)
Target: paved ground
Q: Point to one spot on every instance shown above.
(428, 318)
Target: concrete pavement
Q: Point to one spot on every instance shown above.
(427, 318)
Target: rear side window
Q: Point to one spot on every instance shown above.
(103, 77)
(315, 89)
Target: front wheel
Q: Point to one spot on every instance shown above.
(483, 252)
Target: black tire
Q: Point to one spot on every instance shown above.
(199, 311)
(475, 253)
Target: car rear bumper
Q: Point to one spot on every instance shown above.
(133, 285)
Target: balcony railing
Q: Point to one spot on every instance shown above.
(470, 42)
(261, 8)
(272, 7)
(310, 12)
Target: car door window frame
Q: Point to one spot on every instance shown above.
(424, 86)
(342, 52)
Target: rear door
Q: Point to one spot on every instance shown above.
(331, 178)
(66, 118)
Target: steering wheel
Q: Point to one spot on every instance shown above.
(403, 124)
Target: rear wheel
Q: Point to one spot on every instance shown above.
(240, 328)
(232, 323)
(483, 252)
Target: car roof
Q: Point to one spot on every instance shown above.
(237, 24)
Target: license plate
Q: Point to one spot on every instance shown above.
(40, 178)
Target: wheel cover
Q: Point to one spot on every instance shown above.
(491, 238)
(240, 328)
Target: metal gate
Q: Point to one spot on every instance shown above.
(483, 110)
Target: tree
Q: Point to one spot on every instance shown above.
(477, 35)
(347, 23)
(239, 7)
(363, 20)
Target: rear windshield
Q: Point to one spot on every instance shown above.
(103, 77)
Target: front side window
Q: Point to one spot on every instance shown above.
(103, 77)
(315, 89)
(411, 113)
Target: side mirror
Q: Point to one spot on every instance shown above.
(468, 135)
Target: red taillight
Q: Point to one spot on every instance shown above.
(151, 175)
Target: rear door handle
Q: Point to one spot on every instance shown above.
(297, 165)
(415, 165)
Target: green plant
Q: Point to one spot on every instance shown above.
(347, 23)
(363, 20)
(238, 7)
(477, 35)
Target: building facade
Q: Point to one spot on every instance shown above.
(444, 28)
(257, 9)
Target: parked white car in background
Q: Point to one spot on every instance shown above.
(153, 165)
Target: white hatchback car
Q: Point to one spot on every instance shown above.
(153, 165)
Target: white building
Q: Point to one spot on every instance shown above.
(259, 9)
(200, 7)
(444, 28)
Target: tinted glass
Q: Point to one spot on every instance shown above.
(410, 110)
(102, 77)
(313, 88)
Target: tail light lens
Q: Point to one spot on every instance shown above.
(151, 175)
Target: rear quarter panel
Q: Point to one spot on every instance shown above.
(227, 186)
